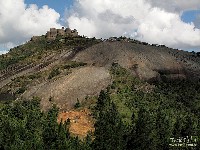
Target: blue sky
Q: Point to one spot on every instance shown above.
(190, 16)
(58, 5)
(174, 23)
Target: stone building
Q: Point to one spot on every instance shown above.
(61, 32)
(53, 33)
(74, 33)
(68, 31)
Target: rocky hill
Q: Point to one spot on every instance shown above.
(71, 68)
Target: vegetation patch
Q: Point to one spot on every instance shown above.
(34, 76)
(74, 64)
(54, 73)
(21, 90)
(24, 126)
(77, 104)
(125, 118)
(5, 97)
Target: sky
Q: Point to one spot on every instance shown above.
(174, 23)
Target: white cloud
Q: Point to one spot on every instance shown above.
(176, 5)
(4, 48)
(147, 20)
(167, 28)
(3, 52)
(19, 22)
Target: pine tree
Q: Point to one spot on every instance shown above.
(198, 136)
(108, 127)
(164, 129)
(132, 135)
(50, 129)
(102, 102)
(146, 137)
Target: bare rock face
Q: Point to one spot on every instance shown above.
(87, 81)
(148, 62)
(145, 61)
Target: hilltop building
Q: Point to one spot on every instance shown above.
(53, 33)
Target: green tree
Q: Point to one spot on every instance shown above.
(164, 128)
(132, 135)
(109, 129)
(102, 102)
(146, 136)
(50, 128)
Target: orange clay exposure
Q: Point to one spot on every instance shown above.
(81, 122)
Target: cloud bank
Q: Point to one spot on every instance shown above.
(151, 21)
(19, 22)
(146, 20)
(177, 6)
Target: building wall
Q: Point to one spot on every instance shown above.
(53, 33)
(61, 32)
(68, 31)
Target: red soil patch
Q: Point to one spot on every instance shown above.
(81, 121)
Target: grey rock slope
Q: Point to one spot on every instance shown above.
(148, 62)
(145, 61)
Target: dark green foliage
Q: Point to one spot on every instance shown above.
(24, 126)
(145, 132)
(183, 91)
(102, 102)
(87, 143)
(20, 53)
(50, 99)
(77, 104)
(80, 42)
(21, 125)
(74, 65)
(34, 51)
(6, 96)
(21, 90)
(54, 73)
(189, 128)
(34, 76)
(164, 127)
(109, 130)
(170, 110)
